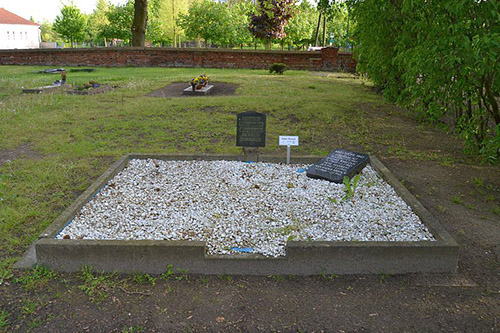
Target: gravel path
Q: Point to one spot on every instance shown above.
(242, 207)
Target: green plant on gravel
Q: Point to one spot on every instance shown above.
(350, 186)
(4, 319)
(36, 277)
(143, 278)
(95, 285)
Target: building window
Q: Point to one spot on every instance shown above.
(8, 35)
(13, 35)
(25, 35)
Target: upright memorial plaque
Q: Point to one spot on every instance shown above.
(251, 129)
(339, 164)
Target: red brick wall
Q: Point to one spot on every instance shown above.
(328, 59)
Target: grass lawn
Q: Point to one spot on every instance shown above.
(62, 143)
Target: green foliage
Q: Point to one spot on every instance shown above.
(97, 21)
(70, 24)
(218, 23)
(383, 277)
(350, 186)
(177, 274)
(271, 18)
(133, 329)
(95, 285)
(36, 277)
(120, 19)
(441, 58)
(169, 273)
(143, 278)
(328, 277)
(47, 32)
(5, 274)
(28, 307)
(278, 68)
(4, 319)
(300, 29)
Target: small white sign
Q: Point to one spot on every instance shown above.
(289, 140)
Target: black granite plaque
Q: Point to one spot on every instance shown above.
(251, 129)
(337, 165)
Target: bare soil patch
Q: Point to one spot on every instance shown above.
(175, 90)
(24, 150)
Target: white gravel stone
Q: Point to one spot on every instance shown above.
(245, 205)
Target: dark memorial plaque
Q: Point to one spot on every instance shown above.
(337, 165)
(251, 129)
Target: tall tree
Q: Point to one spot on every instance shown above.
(120, 20)
(97, 21)
(47, 32)
(140, 23)
(170, 11)
(440, 58)
(70, 24)
(271, 18)
(208, 20)
(300, 29)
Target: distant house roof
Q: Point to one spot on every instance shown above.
(7, 17)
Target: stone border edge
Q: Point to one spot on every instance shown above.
(303, 258)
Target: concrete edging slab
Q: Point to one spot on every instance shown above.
(302, 258)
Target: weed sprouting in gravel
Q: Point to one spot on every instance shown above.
(350, 186)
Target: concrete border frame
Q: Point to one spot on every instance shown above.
(302, 257)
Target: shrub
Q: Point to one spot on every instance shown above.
(277, 68)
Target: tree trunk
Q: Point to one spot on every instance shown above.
(324, 31)
(140, 23)
(317, 30)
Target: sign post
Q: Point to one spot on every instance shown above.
(288, 141)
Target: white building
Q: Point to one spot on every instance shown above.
(18, 33)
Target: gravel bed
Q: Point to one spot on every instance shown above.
(242, 207)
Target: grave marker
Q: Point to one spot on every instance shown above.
(339, 164)
(251, 129)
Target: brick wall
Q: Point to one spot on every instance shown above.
(328, 59)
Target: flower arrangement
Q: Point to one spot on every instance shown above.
(89, 85)
(199, 82)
